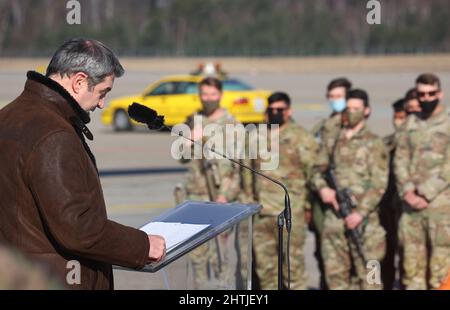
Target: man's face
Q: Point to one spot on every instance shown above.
(210, 97)
(209, 93)
(355, 105)
(399, 118)
(91, 98)
(356, 112)
(279, 108)
(428, 92)
(336, 93)
(412, 105)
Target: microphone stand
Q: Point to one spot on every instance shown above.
(285, 215)
(157, 123)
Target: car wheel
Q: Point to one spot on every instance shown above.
(122, 121)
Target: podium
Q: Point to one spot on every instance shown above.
(218, 217)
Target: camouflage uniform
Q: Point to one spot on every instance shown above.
(204, 260)
(422, 163)
(326, 133)
(361, 165)
(297, 150)
(18, 273)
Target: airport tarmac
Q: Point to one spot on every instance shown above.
(135, 199)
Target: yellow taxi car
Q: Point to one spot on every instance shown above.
(176, 97)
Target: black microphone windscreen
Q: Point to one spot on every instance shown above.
(141, 113)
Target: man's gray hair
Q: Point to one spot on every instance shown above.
(91, 57)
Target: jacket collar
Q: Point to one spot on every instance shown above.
(61, 100)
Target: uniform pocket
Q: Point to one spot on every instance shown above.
(443, 232)
(374, 241)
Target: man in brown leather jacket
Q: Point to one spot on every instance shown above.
(51, 202)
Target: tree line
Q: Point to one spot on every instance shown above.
(228, 27)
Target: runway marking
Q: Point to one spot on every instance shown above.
(310, 107)
(138, 208)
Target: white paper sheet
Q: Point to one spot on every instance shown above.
(173, 233)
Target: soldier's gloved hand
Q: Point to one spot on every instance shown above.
(353, 220)
(328, 195)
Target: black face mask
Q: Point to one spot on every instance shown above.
(417, 114)
(428, 108)
(275, 119)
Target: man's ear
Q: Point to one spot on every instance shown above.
(367, 111)
(289, 112)
(79, 81)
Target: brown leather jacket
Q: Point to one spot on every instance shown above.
(51, 201)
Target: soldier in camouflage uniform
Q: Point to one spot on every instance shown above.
(215, 180)
(390, 206)
(422, 169)
(295, 155)
(413, 110)
(326, 132)
(360, 160)
(19, 273)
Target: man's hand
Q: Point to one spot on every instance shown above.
(421, 204)
(221, 199)
(328, 195)
(353, 220)
(157, 248)
(415, 201)
(410, 198)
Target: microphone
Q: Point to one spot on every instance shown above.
(145, 115)
(150, 117)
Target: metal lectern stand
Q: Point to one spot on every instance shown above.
(220, 218)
